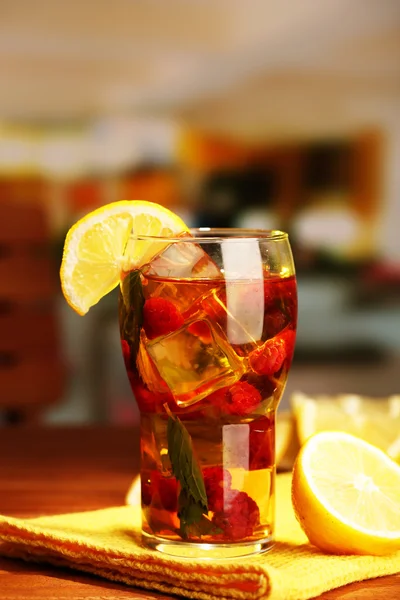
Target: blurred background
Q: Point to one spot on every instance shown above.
(231, 113)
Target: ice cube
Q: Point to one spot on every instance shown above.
(236, 323)
(147, 370)
(194, 366)
(184, 260)
(186, 296)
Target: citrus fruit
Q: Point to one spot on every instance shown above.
(103, 245)
(374, 420)
(346, 495)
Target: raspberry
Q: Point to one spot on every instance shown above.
(147, 401)
(242, 398)
(269, 358)
(144, 398)
(167, 488)
(201, 330)
(239, 517)
(265, 385)
(168, 492)
(289, 338)
(160, 317)
(126, 353)
(219, 397)
(217, 481)
(280, 305)
(261, 444)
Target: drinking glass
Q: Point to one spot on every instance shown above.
(208, 330)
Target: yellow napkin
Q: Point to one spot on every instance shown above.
(107, 543)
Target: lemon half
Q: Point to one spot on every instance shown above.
(375, 420)
(346, 495)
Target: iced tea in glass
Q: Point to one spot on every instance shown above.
(208, 331)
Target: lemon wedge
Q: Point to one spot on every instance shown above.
(375, 420)
(102, 245)
(346, 495)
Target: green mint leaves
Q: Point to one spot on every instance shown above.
(193, 520)
(131, 311)
(192, 501)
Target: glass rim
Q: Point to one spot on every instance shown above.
(214, 235)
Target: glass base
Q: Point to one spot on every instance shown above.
(207, 551)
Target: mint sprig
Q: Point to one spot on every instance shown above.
(192, 517)
(192, 501)
(131, 312)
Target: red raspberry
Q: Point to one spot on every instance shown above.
(147, 401)
(239, 517)
(265, 385)
(289, 338)
(261, 444)
(167, 488)
(144, 398)
(168, 492)
(160, 317)
(202, 331)
(242, 398)
(280, 304)
(219, 397)
(217, 481)
(269, 358)
(126, 353)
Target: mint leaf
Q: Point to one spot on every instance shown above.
(193, 521)
(184, 464)
(131, 304)
(192, 502)
(190, 514)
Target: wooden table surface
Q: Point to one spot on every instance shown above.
(54, 471)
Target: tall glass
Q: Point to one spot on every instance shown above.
(208, 331)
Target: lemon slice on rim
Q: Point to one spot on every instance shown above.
(102, 245)
(346, 495)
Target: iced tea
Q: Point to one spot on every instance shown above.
(207, 360)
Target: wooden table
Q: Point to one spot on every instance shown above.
(50, 471)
